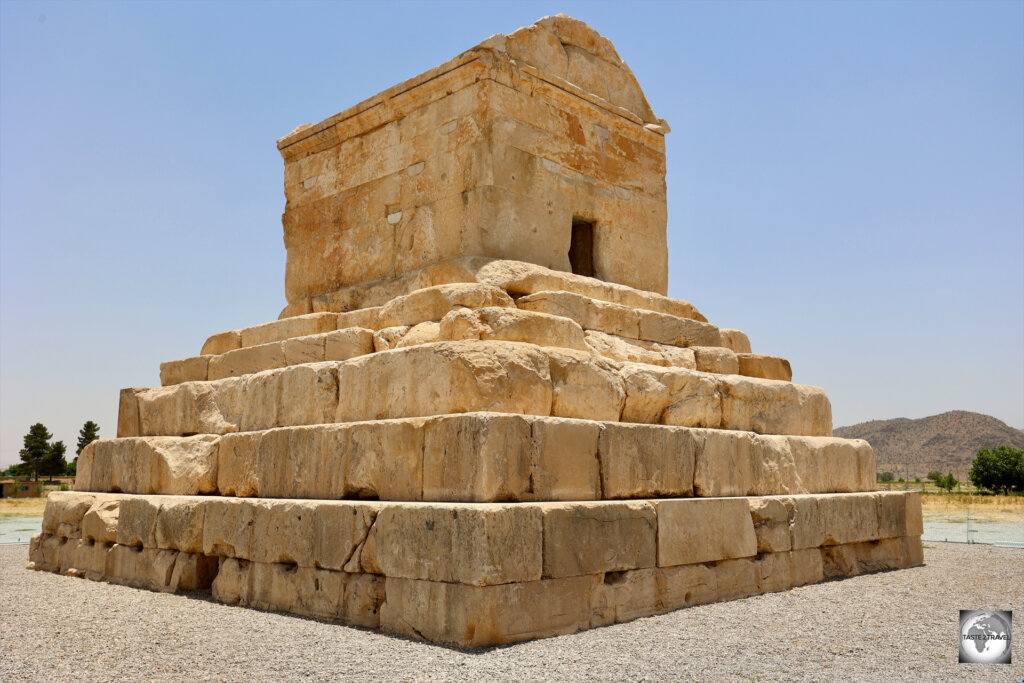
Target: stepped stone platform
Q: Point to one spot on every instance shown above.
(479, 419)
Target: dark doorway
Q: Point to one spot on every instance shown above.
(581, 248)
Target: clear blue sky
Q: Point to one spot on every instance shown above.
(846, 181)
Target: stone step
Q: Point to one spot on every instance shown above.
(466, 376)
(515, 277)
(473, 574)
(459, 323)
(478, 457)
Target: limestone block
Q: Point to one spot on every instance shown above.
(563, 462)
(771, 524)
(227, 527)
(279, 330)
(480, 616)
(168, 465)
(511, 324)
(348, 343)
(387, 338)
(433, 303)
(189, 408)
(365, 318)
(773, 407)
(518, 277)
(624, 596)
(735, 579)
(833, 519)
(222, 342)
(236, 464)
(892, 514)
(674, 396)
(339, 532)
(774, 572)
(83, 471)
(735, 340)
(716, 359)
(308, 349)
(445, 377)
(584, 386)
(913, 523)
(100, 522)
(309, 395)
(587, 538)
(590, 314)
(283, 532)
(639, 350)
(247, 360)
(64, 512)
(686, 585)
(136, 521)
(704, 530)
(669, 329)
(478, 544)
(159, 570)
(422, 333)
(192, 369)
(128, 413)
(729, 463)
(766, 367)
(179, 524)
(645, 461)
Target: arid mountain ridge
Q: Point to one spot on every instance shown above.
(946, 443)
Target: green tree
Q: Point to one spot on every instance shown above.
(37, 447)
(89, 432)
(934, 476)
(54, 462)
(947, 482)
(886, 477)
(998, 469)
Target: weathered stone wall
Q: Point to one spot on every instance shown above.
(492, 154)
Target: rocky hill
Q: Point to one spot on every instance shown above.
(946, 442)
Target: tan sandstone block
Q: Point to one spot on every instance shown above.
(590, 314)
(348, 343)
(445, 377)
(735, 579)
(227, 527)
(179, 524)
(584, 386)
(339, 532)
(773, 407)
(192, 369)
(673, 396)
(433, 303)
(365, 318)
(587, 538)
(646, 461)
(422, 333)
(624, 596)
(387, 338)
(512, 324)
(283, 532)
(766, 367)
(279, 330)
(236, 464)
(771, 524)
(136, 521)
(478, 544)
(892, 514)
(247, 360)
(481, 616)
(64, 512)
(308, 349)
(735, 340)
(222, 342)
(716, 359)
(639, 350)
(704, 530)
(833, 519)
(128, 413)
(100, 521)
(913, 523)
(669, 329)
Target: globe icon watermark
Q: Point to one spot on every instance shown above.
(985, 637)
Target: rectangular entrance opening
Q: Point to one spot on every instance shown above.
(581, 247)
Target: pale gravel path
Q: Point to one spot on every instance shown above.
(878, 627)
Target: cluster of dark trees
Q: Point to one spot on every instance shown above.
(947, 481)
(999, 470)
(41, 457)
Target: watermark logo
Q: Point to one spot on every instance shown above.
(985, 637)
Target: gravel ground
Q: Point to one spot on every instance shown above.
(878, 627)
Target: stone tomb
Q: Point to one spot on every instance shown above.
(479, 419)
